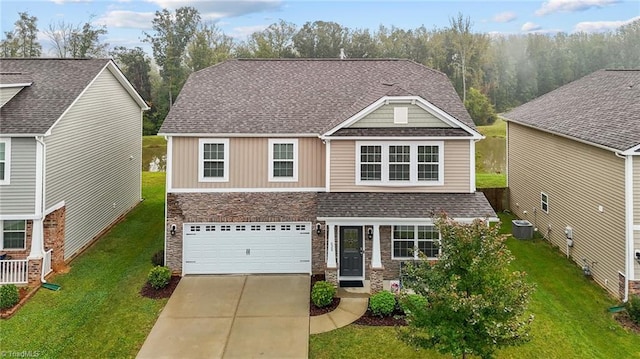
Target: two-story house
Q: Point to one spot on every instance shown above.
(316, 166)
(574, 172)
(70, 160)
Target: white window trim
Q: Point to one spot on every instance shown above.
(201, 143)
(24, 241)
(413, 181)
(7, 161)
(286, 141)
(544, 202)
(415, 242)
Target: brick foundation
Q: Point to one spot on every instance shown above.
(35, 272)
(240, 207)
(54, 226)
(634, 287)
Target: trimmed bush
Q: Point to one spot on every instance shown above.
(158, 258)
(633, 308)
(382, 303)
(9, 296)
(159, 277)
(412, 302)
(322, 293)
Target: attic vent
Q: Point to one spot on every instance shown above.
(401, 115)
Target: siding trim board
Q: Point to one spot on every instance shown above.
(246, 190)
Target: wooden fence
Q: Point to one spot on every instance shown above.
(498, 197)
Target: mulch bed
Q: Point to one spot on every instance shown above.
(625, 321)
(149, 292)
(24, 293)
(395, 319)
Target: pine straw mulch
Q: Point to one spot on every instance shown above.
(149, 292)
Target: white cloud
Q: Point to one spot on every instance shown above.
(214, 10)
(552, 6)
(529, 27)
(506, 16)
(62, 2)
(600, 26)
(242, 32)
(126, 19)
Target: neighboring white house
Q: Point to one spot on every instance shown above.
(70, 159)
(574, 172)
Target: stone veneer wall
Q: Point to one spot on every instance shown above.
(240, 207)
(54, 226)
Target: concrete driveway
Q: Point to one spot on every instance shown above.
(233, 316)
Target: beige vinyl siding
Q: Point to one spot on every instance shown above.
(248, 164)
(636, 189)
(18, 197)
(578, 178)
(93, 161)
(636, 239)
(383, 117)
(456, 170)
(7, 93)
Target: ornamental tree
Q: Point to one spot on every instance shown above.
(474, 303)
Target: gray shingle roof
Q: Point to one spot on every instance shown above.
(403, 132)
(56, 84)
(601, 108)
(403, 205)
(300, 95)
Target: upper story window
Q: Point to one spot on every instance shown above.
(544, 202)
(213, 160)
(283, 160)
(400, 164)
(13, 234)
(5, 160)
(409, 241)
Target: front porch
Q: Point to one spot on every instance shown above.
(24, 271)
(370, 235)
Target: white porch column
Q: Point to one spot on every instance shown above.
(376, 261)
(37, 230)
(331, 247)
(37, 240)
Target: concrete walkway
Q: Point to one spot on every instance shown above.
(353, 304)
(229, 316)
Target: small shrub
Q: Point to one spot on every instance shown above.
(412, 301)
(9, 296)
(159, 277)
(322, 293)
(158, 258)
(633, 308)
(382, 303)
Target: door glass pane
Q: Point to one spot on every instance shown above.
(350, 240)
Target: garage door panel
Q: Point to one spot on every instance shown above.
(214, 248)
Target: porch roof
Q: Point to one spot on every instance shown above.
(403, 205)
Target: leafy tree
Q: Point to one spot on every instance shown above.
(209, 46)
(361, 44)
(23, 40)
(479, 108)
(276, 41)
(320, 39)
(77, 41)
(172, 33)
(475, 304)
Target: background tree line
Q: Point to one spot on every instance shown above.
(491, 73)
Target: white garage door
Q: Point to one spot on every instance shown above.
(221, 248)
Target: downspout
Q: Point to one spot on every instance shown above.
(628, 200)
(37, 231)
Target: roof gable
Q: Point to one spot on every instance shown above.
(56, 85)
(602, 108)
(300, 95)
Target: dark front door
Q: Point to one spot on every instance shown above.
(351, 251)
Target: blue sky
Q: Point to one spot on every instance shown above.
(126, 20)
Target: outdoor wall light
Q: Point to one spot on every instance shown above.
(370, 233)
(318, 228)
(173, 229)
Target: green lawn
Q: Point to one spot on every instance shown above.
(98, 313)
(497, 129)
(491, 180)
(571, 318)
(495, 133)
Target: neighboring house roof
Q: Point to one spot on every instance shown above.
(296, 96)
(56, 84)
(602, 108)
(403, 205)
(14, 79)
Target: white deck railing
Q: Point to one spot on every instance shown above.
(46, 263)
(13, 271)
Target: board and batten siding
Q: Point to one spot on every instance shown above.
(248, 164)
(18, 197)
(383, 117)
(93, 161)
(456, 170)
(7, 93)
(578, 179)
